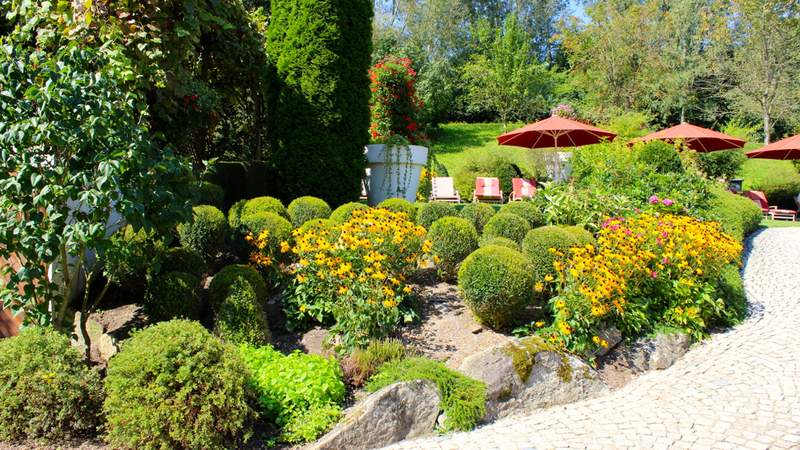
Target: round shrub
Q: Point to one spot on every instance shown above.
(537, 245)
(264, 204)
(279, 228)
(343, 213)
(174, 385)
(235, 214)
(303, 209)
(225, 278)
(400, 205)
(211, 194)
(205, 234)
(181, 259)
(46, 390)
(496, 284)
(240, 319)
(427, 213)
(510, 226)
(478, 214)
(453, 239)
(501, 241)
(581, 235)
(527, 210)
(129, 258)
(661, 157)
(173, 295)
(318, 225)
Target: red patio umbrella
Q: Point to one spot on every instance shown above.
(696, 138)
(555, 132)
(788, 148)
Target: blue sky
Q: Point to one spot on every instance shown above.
(576, 9)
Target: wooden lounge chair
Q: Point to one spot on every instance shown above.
(772, 212)
(443, 190)
(522, 189)
(487, 190)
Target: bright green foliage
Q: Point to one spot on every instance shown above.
(182, 259)
(211, 194)
(300, 393)
(279, 228)
(225, 278)
(174, 385)
(660, 156)
(235, 214)
(343, 213)
(501, 241)
(496, 284)
(738, 215)
(731, 289)
(205, 233)
(303, 209)
(240, 319)
(264, 204)
(131, 257)
(365, 362)
(506, 225)
(47, 391)
(581, 235)
(527, 210)
(319, 108)
(173, 295)
(463, 399)
(427, 213)
(453, 239)
(537, 245)
(400, 205)
(318, 225)
(725, 164)
(478, 214)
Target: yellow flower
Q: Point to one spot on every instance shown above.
(407, 290)
(548, 278)
(343, 290)
(302, 308)
(285, 247)
(564, 327)
(539, 324)
(539, 287)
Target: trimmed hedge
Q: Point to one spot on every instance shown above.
(235, 214)
(477, 213)
(427, 213)
(343, 213)
(537, 245)
(279, 228)
(730, 288)
(527, 210)
(264, 204)
(206, 232)
(239, 318)
(225, 278)
(453, 239)
(581, 235)
(501, 241)
(174, 385)
(303, 209)
(47, 391)
(181, 259)
(173, 295)
(400, 205)
(738, 215)
(496, 285)
(510, 226)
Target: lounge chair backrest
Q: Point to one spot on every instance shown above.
(523, 187)
(759, 198)
(442, 187)
(487, 187)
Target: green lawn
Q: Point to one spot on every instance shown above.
(760, 172)
(779, 223)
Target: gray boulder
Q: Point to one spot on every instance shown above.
(107, 328)
(653, 353)
(405, 410)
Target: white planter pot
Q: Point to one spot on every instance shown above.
(388, 179)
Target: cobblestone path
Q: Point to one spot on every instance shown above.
(739, 389)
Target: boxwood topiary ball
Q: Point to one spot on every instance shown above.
(581, 235)
(427, 213)
(527, 210)
(264, 204)
(173, 295)
(205, 233)
(400, 205)
(510, 226)
(501, 241)
(182, 259)
(303, 209)
(537, 245)
(224, 279)
(343, 213)
(496, 284)
(279, 228)
(239, 318)
(453, 239)
(478, 214)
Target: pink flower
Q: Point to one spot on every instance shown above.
(667, 202)
(654, 274)
(653, 200)
(665, 261)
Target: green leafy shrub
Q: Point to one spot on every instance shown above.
(452, 239)
(181, 259)
(527, 210)
(400, 205)
(240, 318)
(478, 214)
(173, 295)
(300, 393)
(318, 225)
(581, 235)
(501, 241)
(725, 164)
(427, 213)
(365, 362)
(463, 398)
(781, 195)
(279, 229)
(264, 204)
(537, 245)
(174, 385)
(738, 215)
(225, 278)
(235, 214)
(496, 284)
(660, 157)
(303, 209)
(731, 289)
(211, 194)
(510, 226)
(206, 232)
(343, 213)
(131, 257)
(47, 392)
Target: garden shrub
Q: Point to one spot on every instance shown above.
(264, 204)
(537, 245)
(211, 194)
(527, 210)
(225, 278)
(738, 215)
(172, 295)
(427, 213)
(660, 157)
(47, 391)
(463, 399)
(496, 285)
(365, 362)
(235, 214)
(581, 235)
(343, 213)
(725, 164)
(174, 385)
(206, 232)
(510, 226)
(303, 209)
(317, 225)
(400, 205)
(181, 259)
(730, 287)
(131, 257)
(300, 393)
(782, 194)
(356, 276)
(240, 318)
(452, 240)
(278, 228)
(478, 214)
(501, 241)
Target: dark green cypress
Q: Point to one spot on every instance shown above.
(319, 111)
